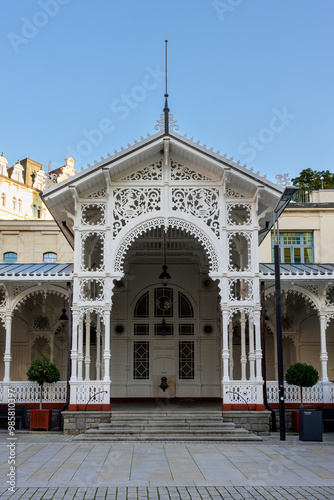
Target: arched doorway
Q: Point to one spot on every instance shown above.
(170, 331)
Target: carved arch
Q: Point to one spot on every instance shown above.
(172, 222)
(300, 291)
(29, 292)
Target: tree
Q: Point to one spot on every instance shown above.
(310, 180)
(40, 371)
(302, 375)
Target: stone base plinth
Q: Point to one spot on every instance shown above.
(78, 422)
(257, 422)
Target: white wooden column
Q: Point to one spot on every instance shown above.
(103, 335)
(323, 349)
(225, 351)
(230, 341)
(106, 352)
(258, 350)
(251, 353)
(8, 349)
(80, 351)
(98, 348)
(74, 351)
(87, 354)
(243, 358)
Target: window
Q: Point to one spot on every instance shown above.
(186, 360)
(49, 257)
(141, 368)
(3, 199)
(39, 213)
(19, 205)
(10, 257)
(142, 307)
(295, 248)
(14, 203)
(34, 211)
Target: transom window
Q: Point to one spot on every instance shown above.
(295, 247)
(10, 257)
(163, 311)
(49, 257)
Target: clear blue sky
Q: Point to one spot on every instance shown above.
(253, 78)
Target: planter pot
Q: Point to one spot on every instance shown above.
(40, 419)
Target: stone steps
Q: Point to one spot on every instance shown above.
(166, 426)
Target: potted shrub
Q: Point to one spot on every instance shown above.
(310, 421)
(41, 371)
(302, 375)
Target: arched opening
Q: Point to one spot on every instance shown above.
(36, 332)
(300, 332)
(171, 330)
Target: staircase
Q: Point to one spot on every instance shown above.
(167, 426)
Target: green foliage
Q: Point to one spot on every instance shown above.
(309, 180)
(41, 370)
(302, 374)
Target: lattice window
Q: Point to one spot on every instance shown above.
(141, 360)
(239, 251)
(92, 251)
(91, 290)
(239, 214)
(200, 202)
(186, 360)
(240, 289)
(93, 214)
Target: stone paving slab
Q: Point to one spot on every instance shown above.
(169, 493)
(64, 469)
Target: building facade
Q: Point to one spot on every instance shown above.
(159, 256)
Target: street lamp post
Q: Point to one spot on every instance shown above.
(281, 205)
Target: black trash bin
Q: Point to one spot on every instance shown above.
(310, 424)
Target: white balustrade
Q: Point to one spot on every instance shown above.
(292, 393)
(28, 392)
(239, 392)
(86, 391)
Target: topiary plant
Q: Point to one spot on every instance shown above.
(302, 375)
(40, 371)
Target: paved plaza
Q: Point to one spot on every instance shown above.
(54, 467)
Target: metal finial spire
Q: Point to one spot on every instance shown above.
(166, 108)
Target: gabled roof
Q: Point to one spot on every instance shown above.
(58, 198)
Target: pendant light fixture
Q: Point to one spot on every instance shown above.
(164, 276)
